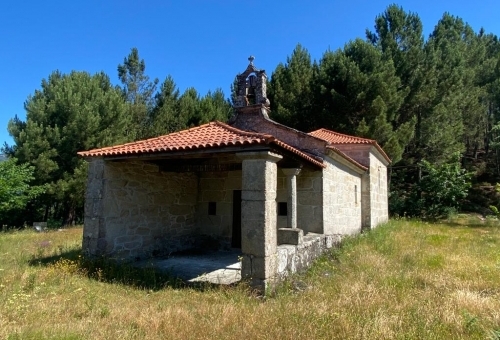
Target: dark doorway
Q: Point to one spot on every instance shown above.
(236, 239)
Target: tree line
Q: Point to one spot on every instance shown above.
(425, 100)
(79, 111)
(421, 99)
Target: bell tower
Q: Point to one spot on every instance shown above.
(251, 87)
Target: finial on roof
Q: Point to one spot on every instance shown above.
(251, 59)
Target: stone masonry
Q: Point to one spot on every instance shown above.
(134, 211)
(217, 187)
(379, 206)
(341, 199)
(374, 195)
(258, 217)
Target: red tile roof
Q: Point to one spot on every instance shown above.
(339, 138)
(336, 138)
(211, 135)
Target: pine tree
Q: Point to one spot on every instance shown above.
(164, 118)
(290, 91)
(139, 92)
(70, 113)
(213, 106)
(357, 92)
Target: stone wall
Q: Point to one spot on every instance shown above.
(217, 187)
(93, 241)
(140, 211)
(378, 192)
(292, 259)
(374, 191)
(341, 199)
(359, 152)
(310, 201)
(375, 205)
(255, 118)
(328, 201)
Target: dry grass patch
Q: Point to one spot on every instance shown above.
(406, 279)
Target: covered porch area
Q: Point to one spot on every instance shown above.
(223, 204)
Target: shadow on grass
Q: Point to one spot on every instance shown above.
(110, 271)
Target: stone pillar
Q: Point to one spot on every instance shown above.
(93, 242)
(258, 217)
(291, 184)
(291, 234)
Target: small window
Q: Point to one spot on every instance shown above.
(212, 208)
(356, 194)
(282, 209)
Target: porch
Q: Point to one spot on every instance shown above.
(154, 208)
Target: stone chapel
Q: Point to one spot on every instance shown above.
(279, 195)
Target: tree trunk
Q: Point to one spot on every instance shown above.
(70, 216)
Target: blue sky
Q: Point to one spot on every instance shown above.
(202, 43)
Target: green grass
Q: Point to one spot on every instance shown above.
(404, 280)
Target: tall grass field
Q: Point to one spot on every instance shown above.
(403, 280)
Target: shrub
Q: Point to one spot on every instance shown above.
(440, 190)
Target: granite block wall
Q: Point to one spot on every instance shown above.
(133, 210)
(374, 199)
(341, 199)
(295, 258)
(217, 187)
(309, 201)
(378, 192)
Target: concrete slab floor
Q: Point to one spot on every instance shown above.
(218, 267)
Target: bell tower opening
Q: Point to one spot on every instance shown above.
(251, 87)
(251, 83)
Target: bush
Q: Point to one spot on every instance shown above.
(440, 190)
(15, 190)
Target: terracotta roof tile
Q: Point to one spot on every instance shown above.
(211, 135)
(336, 138)
(339, 138)
(204, 136)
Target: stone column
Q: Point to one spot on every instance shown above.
(291, 184)
(291, 234)
(93, 242)
(258, 217)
